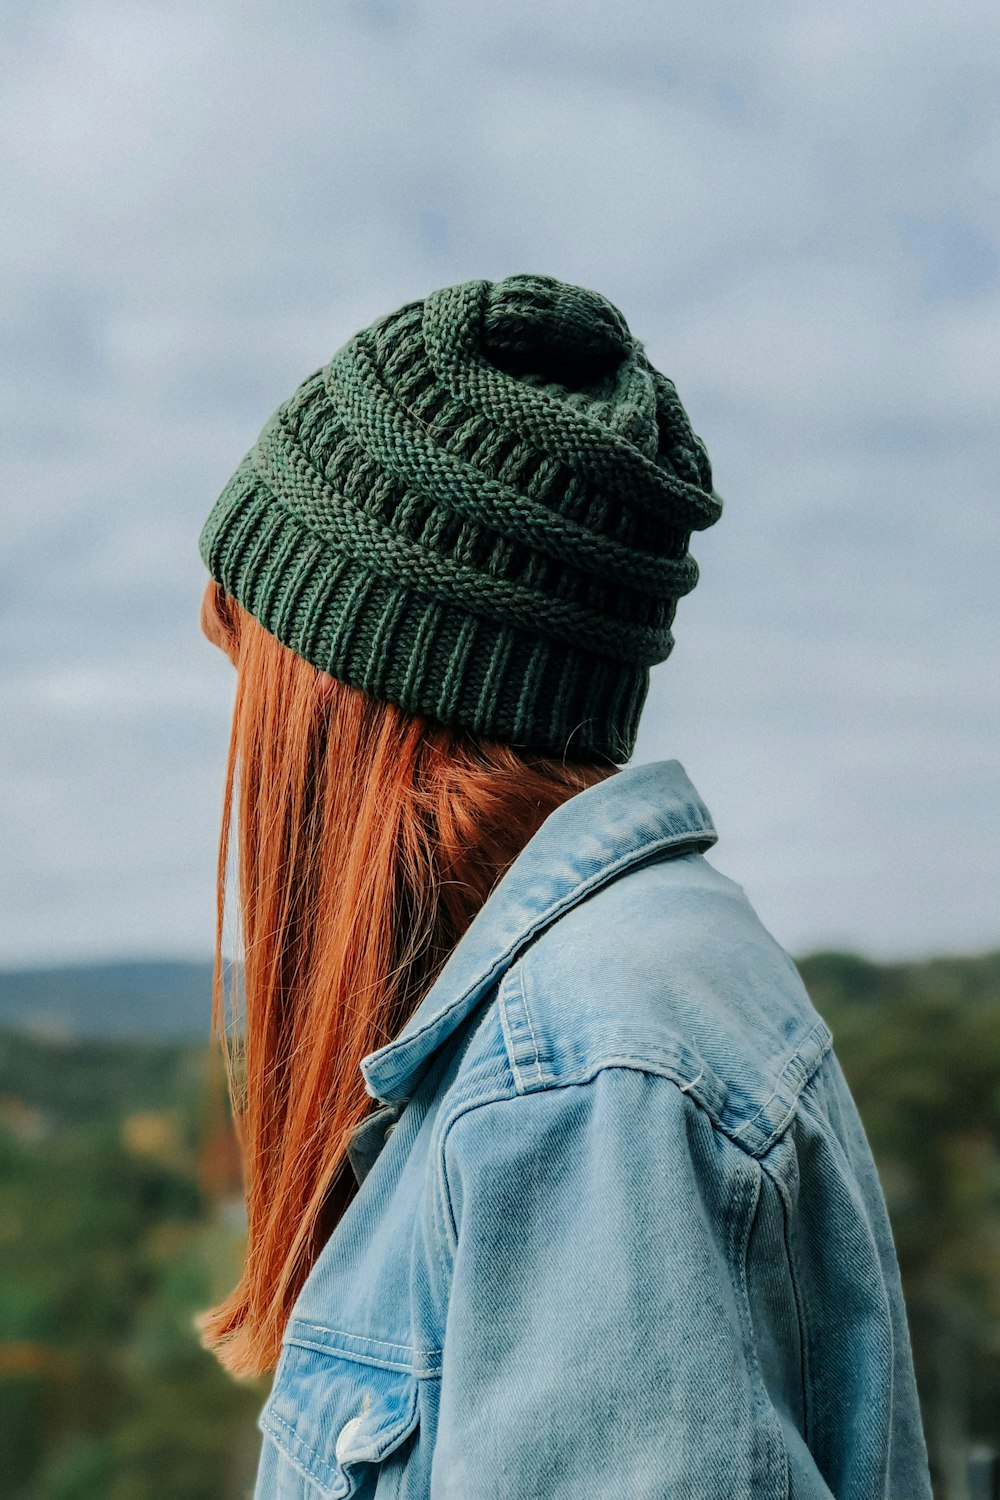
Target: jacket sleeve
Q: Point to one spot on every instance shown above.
(599, 1338)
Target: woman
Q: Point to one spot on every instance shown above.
(555, 1185)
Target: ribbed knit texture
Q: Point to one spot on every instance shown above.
(478, 510)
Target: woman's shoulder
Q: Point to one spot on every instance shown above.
(670, 970)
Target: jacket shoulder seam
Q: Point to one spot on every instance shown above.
(773, 1167)
(673, 1059)
(746, 1206)
(796, 1071)
(444, 1187)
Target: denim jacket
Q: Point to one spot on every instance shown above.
(619, 1230)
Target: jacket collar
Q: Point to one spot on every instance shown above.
(596, 835)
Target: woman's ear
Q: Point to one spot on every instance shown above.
(325, 685)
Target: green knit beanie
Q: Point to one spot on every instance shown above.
(478, 510)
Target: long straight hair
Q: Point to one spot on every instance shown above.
(367, 840)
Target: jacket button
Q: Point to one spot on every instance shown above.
(346, 1437)
(389, 1129)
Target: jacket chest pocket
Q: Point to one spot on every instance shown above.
(339, 1417)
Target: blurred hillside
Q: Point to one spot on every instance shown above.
(121, 1215)
(920, 1045)
(164, 1000)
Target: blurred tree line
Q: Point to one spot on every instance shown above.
(121, 1216)
(920, 1045)
(119, 1219)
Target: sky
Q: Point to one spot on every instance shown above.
(796, 207)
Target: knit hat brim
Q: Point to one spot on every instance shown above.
(389, 639)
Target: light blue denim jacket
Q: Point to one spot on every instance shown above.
(619, 1231)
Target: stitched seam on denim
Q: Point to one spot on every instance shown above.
(311, 1479)
(391, 1438)
(540, 1075)
(343, 1333)
(794, 1064)
(510, 1003)
(443, 1223)
(418, 1371)
(543, 919)
(508, 979)
(776, 1454)
(316, 1485)
(709, 1097)
(457, 1049)
(820, 1122)
(480, 1042)
(517, 1019)
(445, 1186)
(776, 1176)
(300, 1442)
(647, 1063)
(418, 1368)
(802, 1062)
(811, 1350)
(735, 1239)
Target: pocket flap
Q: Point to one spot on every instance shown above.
(334, 1414)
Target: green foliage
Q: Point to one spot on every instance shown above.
(920, 1046)
(109, 1245)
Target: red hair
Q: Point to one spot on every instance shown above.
(367, 840)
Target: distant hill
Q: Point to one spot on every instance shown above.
(838, 982)
(151, 999)
(162, 1000)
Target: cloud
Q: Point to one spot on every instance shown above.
(795, 208)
